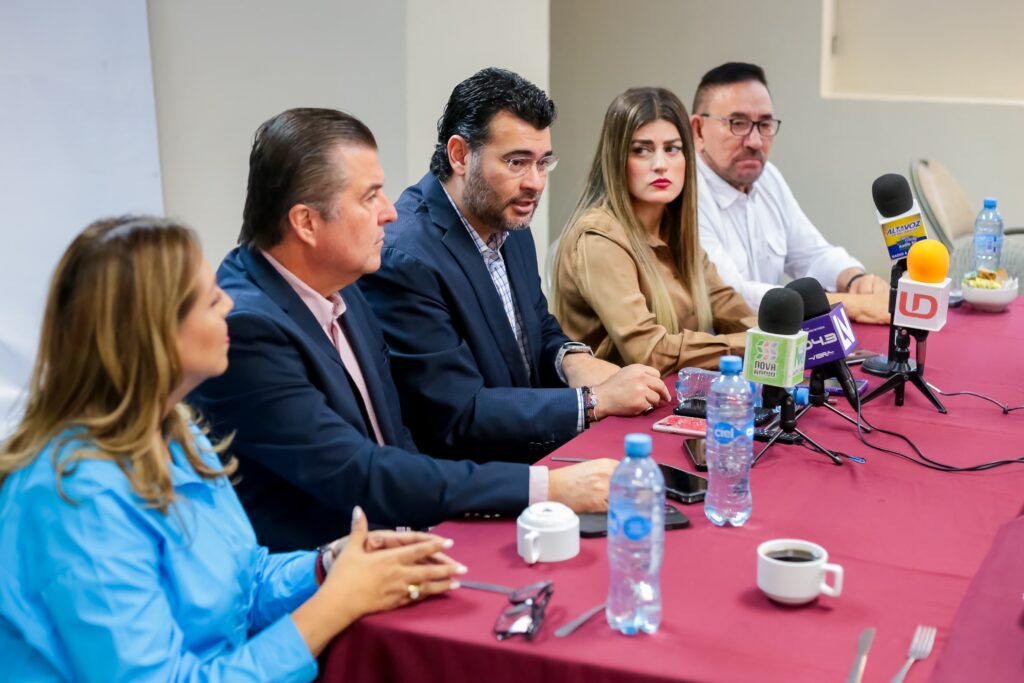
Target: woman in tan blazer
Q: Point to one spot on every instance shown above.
(630, 278)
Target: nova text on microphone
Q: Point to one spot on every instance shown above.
(776, 347)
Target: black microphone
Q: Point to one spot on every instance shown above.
(891, 194)
(830, 338)
(902, 226)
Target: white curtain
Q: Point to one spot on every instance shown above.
(77, 142)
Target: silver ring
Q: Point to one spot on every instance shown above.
(414, 591)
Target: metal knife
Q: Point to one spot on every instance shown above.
(867, 636)
(492, 587)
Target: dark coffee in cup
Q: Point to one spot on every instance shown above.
(792, 555)
(794, 572)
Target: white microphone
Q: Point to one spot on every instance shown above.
(922, 296)
(775, 348)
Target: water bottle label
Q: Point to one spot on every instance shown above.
(636, 528)
(988, 244)
(725, 432)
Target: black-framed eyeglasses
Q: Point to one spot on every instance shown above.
(526, 613)
(742, 127)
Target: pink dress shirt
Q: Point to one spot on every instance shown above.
(327, 311)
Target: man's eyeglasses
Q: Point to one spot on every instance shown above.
(520, 166)
(526, 614)
(742, 127)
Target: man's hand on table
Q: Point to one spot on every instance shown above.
(631, 391)
(865, 308)
(584, 486)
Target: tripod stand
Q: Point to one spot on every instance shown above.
(904, 371)
(818, 398)
(777, 397)
(885, 366)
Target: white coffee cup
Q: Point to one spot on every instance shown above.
(794, 572)
(547, 532)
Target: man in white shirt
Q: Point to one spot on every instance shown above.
(751, 225)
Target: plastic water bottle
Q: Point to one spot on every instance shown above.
(730, 446)
(636, 537)
(988, 236)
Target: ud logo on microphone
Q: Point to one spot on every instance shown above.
(923, 306)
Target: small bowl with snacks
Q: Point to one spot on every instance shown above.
(988, 290)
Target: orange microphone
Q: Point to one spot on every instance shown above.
(928, 261)
(922, 297)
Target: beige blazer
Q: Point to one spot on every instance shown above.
(606, 301)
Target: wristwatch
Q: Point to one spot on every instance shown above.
(589, 405)
(576, 347)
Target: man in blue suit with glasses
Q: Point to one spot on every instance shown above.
(483, 369)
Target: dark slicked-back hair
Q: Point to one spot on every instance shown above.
(476, 100)
(293, 161)
(726, 74)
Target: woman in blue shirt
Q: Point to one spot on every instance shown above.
(124, 552)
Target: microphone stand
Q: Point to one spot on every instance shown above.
(886, 366)
(904, 370)
(777, 397)
(818, 398)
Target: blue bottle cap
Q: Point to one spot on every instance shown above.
(730, 364)
(802, 396)
(638, 445)
(990, 202)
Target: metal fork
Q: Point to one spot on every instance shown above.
(920, 647)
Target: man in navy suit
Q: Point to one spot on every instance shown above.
(308, 394)
(483, 368)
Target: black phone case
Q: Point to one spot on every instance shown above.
(701, 466)
(593, 524)
(697, 407)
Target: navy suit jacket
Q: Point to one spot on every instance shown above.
(306, 452)
(461, 378)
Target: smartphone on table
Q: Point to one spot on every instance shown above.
(682, 424)
(686, 487)
(695, 450)
(596, 523)
(697, 407)
(860, 355)
(833, 387)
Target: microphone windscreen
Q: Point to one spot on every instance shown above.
(781, 312)
(812, 295)
(928, 261)
(892, 195)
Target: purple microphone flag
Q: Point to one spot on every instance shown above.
(829, 337)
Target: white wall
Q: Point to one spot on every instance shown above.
(947, 50)
(452, 39)
(829, 150)
(78, 134)
(221, 68)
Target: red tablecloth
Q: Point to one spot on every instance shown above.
(910, 540)
(986, 642)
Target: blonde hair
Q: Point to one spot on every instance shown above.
(608, 188)
(108, 361)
